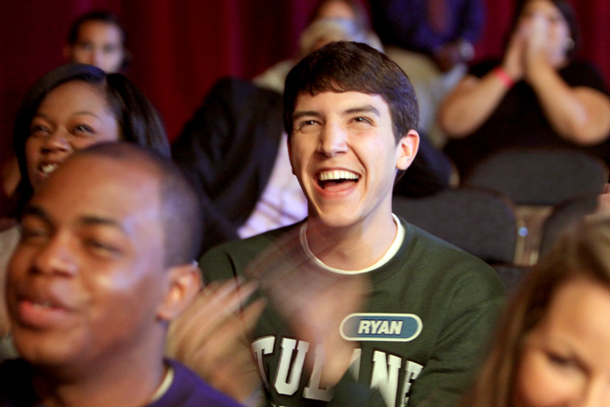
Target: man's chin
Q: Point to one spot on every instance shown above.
(335, 219)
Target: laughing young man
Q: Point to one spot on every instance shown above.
(359, 298)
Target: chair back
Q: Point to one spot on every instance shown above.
(540, 176)
(536, 180)
(478, 221)
(564, 216)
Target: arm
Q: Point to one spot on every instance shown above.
(315, 303)
(470, 105)
(475, 99)
(578, 114)
(211, 338)
(315, 308)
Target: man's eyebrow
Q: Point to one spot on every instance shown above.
(363, 109)
(36, 211)
(358, 109)
(87, 220)
(303, 113)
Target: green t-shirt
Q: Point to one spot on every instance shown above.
(426, 323)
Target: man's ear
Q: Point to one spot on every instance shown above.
(407, 149)
(184, 282)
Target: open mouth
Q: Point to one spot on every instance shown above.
(337, 180)
(47, 169)
(41, 313)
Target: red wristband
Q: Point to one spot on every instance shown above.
(504, 77)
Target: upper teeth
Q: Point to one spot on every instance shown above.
(337, 174)
(49, 168)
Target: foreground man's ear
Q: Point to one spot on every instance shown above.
(184, 282)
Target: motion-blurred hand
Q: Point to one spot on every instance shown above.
(314, 301)
(212, 338)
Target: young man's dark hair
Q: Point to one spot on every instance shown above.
(351, 66)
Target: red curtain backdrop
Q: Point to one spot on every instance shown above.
(182, 47)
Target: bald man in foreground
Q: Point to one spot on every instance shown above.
(103, 265)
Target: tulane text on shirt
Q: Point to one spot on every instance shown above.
(392, 374)
(381, 327)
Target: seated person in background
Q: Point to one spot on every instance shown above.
(353, 284)
(432, 41)
(98, 38)
(348, 9)
(551, 347)
(445, 30)
(70, 108)
(537, 96)
(104, 263)
(331, 20)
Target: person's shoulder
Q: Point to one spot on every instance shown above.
(244, 89)
(189, 390)
(229, 259)
(449, 265)
(252, 244)
(274, 77)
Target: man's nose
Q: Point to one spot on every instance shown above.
(333, 140)
(57, 142)
(56, 257)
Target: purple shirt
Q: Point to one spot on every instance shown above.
(186, 389)
(404, 23)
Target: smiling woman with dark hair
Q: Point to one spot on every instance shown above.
(68, 109)
(41, 140)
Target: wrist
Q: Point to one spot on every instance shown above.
(507, 80)
(256, 398)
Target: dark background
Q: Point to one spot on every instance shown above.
(181, 47)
